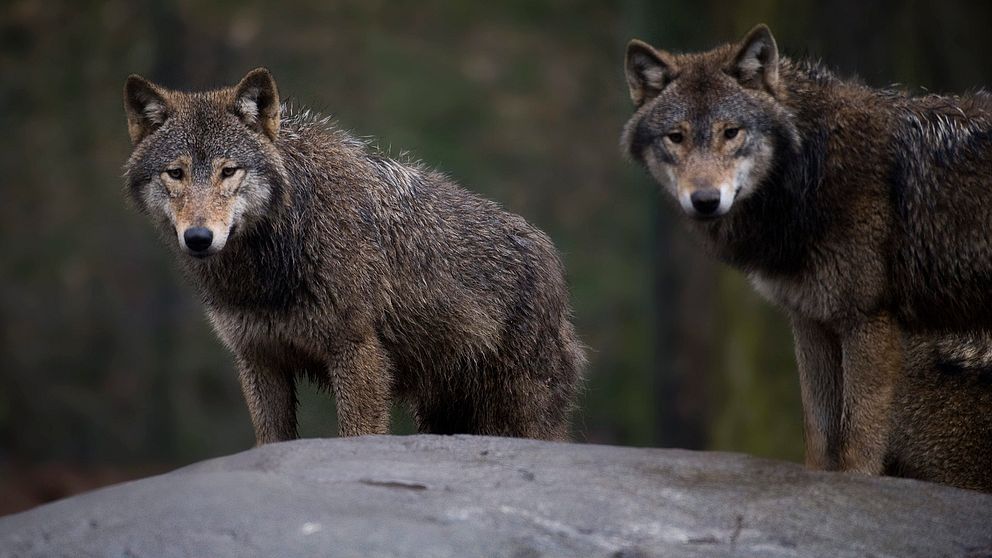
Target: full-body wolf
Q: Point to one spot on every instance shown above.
(316, 255)
(865, 213)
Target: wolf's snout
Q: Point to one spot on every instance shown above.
(198, 239)
(706, 200)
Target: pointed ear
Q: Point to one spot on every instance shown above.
(256, 102)
(146, 107)
(756, 62)
(648, 71)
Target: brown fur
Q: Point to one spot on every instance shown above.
(863, 213)
(376, 278)
(942, 411)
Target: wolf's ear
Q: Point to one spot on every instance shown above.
(756, 62)
(648, 71)
(256, 102)
(146, 107)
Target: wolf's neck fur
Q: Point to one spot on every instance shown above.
(263, 266)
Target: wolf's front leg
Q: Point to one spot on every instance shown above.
(818, 354)
(270, 393)
(872, 363)
(362, 385)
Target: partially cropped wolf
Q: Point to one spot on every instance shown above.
(317, 255)
(865, 213)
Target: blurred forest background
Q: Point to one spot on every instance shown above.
(108, 369)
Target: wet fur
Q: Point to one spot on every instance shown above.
(942, 411)
(870, 224)
(377, 278)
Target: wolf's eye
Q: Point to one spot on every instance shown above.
(175, 174)
(675, 137)
(228, 172)
(731, 133)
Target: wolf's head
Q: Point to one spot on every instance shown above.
(707, 125)
(204, 164)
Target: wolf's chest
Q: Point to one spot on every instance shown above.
(260, 331)
(803, 295)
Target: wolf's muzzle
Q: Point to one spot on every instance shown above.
(705, 201)
(198, 239)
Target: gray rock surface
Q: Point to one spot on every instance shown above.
(474, 496)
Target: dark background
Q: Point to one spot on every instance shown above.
(108, 369)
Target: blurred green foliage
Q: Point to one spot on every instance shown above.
(105, 357)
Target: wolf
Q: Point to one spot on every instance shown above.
(864, 213)
(318, 256)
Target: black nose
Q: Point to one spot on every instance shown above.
(706, 200)
(198, 239)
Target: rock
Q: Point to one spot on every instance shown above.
(475, 496)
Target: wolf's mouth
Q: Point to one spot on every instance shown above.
(707, 217)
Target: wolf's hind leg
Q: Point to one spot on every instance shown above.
(872, 359)
(270, 393)
(537, 404)
(502, 400)
(501, 413)
(361, 379)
